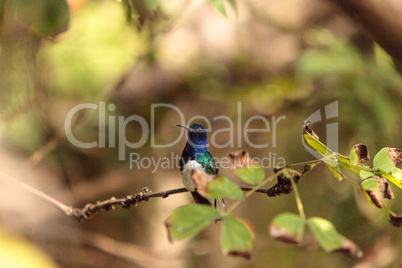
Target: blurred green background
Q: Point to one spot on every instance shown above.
(276, 58)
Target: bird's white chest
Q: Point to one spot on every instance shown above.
(188, 171)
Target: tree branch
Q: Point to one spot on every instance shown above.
(283, 186)
(90, 210)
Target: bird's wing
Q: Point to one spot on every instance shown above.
(199, 199)
(181, 164)
(208, 163)
(185, 157)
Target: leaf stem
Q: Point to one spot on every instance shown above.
(350, 181)
(317, 161)
(253, 190)
(298, 199)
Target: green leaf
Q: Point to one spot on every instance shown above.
(253, 174)
(376, 189)
(54, 17)
(383, 161)
(364, 174)
(354, 160)
(395, 220)
(223, 187)
(325, 233)
(358, 154)
(287, 227)
(237, 238)
(371, 188)
(317, 145)
(397, 173)
(383, 59)
(371, 185)
(187, 221)
(343, 163)
(391, 178)
(335, 172)
(329, 239)
(218, 4)
(233, 4)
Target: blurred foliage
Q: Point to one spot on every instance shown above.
(17, 252)
(364, 84)
(45, 71)
(44, 17)
(220, 6)
(98, 48)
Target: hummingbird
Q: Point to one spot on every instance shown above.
(195, 156)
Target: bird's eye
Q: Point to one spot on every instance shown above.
(199, 129)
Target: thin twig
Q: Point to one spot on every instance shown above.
(253, 190)
(91, 209)
(299, 203)
(301, 164)
(37, 193)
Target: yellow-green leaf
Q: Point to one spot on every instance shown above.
(329, 239)
(397, 173)
(358, 154)
(317, 145)
(18, 252)
(372, 191)
(187, 221)
(395, 220)
(391, 178)
(219, 5)
(335, 172)
(233, 4)
(237, 238)
(343, 163)
(364, 174)
(223, 187)
(253, 174)
(287, 227)
(383, 161)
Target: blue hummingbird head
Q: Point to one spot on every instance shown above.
(197, 134)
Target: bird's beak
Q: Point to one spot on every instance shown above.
(186, 127)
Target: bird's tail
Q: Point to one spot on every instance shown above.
(220, 206)
(199, 199)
